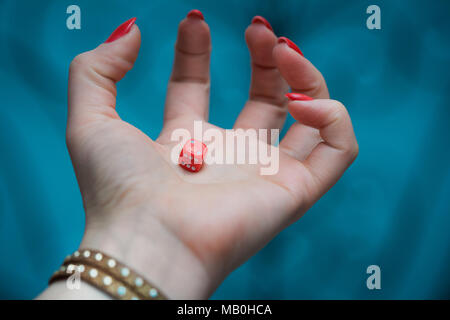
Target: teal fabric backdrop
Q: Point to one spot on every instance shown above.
(391, 208)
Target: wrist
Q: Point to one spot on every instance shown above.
(146, 246)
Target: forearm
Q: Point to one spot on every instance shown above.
(154, 253)
(59, 291)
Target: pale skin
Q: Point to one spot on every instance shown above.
(185, 232)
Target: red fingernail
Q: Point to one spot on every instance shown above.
(293, 96)
(259, 19)
(290, 44)
(121, 30)
(195, 14)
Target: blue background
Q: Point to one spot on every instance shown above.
(391, 208)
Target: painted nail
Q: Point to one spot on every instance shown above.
(195, 14)
(293, 96)
(121, 30)
(290, 44)
(259, 19)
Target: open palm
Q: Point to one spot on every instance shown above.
(211, 221)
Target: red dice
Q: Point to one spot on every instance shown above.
(191, 156)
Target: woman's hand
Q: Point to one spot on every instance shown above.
(186, 231)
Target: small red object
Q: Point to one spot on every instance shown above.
(294, 96)
(259, 19)
(195, 14)
(121, 30)
(290, 44)
(191, 156)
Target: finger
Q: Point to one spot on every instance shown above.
(93, 75)
(299, 141)
(298, 71)
(188, 90)
(330, 158)
(266, 107)
(304, 78)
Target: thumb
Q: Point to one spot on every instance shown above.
(93, 75)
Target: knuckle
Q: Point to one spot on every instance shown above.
(339, 109)
(353, 151)
(315, 87)
(80, 60)
(337, 112)
(340, 114)
(349, 150)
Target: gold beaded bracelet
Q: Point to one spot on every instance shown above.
(108, 275)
